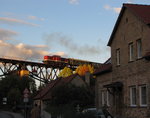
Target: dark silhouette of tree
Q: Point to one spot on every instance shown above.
(73, 95)
(12, 87)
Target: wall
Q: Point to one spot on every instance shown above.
(137, 72)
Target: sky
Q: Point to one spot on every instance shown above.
(80, 29)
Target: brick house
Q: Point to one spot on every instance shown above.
(123, 83)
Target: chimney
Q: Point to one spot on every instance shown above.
(87, 77)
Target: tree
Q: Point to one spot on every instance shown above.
(73, 95)
(12, 87)
(66, 98)
(82, 69)
(65, 72)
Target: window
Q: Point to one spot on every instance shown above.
(133, 96)
(103, 98)
(143, 95)
(139, 48)
(108, 99)
(118, 56)
(131, 52)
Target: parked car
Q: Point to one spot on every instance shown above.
(94, 113)
(103, 113)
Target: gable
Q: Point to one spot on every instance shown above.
(78, 81)
(140, 12)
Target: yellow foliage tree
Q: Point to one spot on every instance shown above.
(82, 69)
(65, 72)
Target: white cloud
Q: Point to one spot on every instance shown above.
(114, 9)
(19, 50)
(117, 9)
(16, 16)
(12, 21)
(129, 1)
(74, 1)
(22, 51)
(35, 18)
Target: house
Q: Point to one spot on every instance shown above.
(45, 94)
(123, 84)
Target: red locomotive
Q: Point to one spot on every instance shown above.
(70, 61)
(56, 58)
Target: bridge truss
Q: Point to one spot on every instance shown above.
(43, 72)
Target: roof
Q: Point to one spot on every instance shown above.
(103, 69)
(45, 93)
(108, 61)
(45, 90)
(142, 12)
(114, 85)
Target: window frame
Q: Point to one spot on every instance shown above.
(103, 98)
(141, 96)
(131, 51)
(107, 98)
(118, 56)
(139, 48)
(133, 96)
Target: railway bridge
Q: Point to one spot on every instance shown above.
(42, 71)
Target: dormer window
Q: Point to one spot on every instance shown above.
(131, 53)
(139, 48)
(118, 56)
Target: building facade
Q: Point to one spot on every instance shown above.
(124, 85)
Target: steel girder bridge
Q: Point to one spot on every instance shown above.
(43, 72)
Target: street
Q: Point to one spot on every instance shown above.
(6, 114)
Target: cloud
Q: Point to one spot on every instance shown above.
(7, 34)
(117, 9)
(35, 18)
(63, 54)
(29, 52)
(12, 21)
(16, 16)
(8, 14)
(114, 9)
(74, 1)
(129, 1)
(58, 39)
(20, 50)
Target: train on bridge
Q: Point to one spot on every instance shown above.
(48, 69)
(69, 61)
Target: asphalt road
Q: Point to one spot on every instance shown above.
(5, 115)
